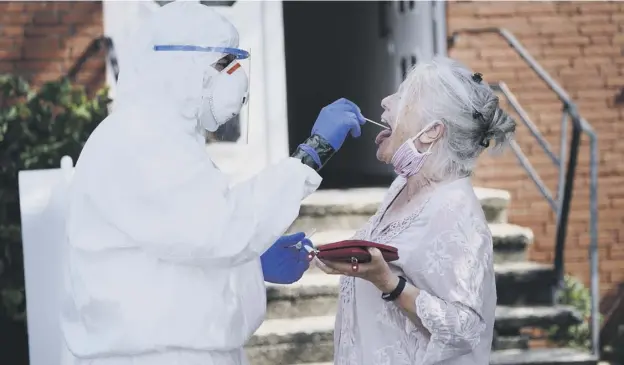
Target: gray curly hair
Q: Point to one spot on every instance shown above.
(447, 91)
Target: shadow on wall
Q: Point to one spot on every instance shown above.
(53, 36)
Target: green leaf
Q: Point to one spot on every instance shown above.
(37, 128)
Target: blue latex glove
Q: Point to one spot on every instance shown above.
(337, 120)
(283, 264)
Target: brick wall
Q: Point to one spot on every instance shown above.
(581, 44)
(41, 40)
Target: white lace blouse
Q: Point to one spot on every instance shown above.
(445, 249)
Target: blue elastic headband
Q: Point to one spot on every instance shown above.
(239, 53)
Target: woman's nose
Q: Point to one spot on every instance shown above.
(385, 102)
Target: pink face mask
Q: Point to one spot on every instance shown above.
(407, 161)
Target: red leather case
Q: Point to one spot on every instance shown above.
(355, 251)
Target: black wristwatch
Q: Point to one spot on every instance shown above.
(390, 297)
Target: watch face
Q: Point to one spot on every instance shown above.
(217, 3)
(207, 3)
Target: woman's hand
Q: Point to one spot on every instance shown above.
(377, 271)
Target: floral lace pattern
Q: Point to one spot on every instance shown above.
(445, 250)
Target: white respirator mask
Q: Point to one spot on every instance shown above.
(225, 95)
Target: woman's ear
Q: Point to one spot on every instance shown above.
(432, 134)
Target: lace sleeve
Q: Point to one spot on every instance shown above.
(451, 267)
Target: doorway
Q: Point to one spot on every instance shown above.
(353, 49)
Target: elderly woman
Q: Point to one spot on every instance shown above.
(436, 304)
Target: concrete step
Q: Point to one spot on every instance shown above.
(510, 241)
(288, 341)
(511, 342)
(509, 320)
(310, 340)
(562, 356)
(555, 356)
(315, 294)
(351, 208)
(524, 283)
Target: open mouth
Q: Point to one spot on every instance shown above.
(382, 136)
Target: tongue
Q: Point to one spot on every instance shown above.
(383, 135)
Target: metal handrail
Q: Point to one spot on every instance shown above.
(560, 205)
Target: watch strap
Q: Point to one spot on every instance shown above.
(390, 297)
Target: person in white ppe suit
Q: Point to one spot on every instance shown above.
(165, 261)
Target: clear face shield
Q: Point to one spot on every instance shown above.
(225, 107)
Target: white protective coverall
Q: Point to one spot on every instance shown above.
(163, 256)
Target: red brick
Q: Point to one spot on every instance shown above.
(608, 50)
(465, 54)
(79, 18)
(34, 66)
(586, 81)
(6, 67)
(592, 7)
(43, 77)
(571, 40)
(14, 19)
(615, 81)
(9, 54)
(43, 49)
(578, 71)
(555, 62)
(34, 38)
(500, 53)
(618, 17)
(590, 18)
(12, 7)
(601, 39)
(568, 7)
(566, 51)
(594, 60)
(56, 31)
(532, 40)
(47, 18)
(616, 276)
(604, 29)
(89, 30)
(563, 28)
(534, 7)
(616, 253)
(507, 63)
(497, 8)
(11, 31)
(456, 10)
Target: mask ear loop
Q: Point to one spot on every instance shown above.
(413, 140)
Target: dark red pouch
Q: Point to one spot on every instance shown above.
(354, 251)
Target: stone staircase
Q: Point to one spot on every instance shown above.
(300, 317)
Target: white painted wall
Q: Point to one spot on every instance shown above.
(261, 31)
